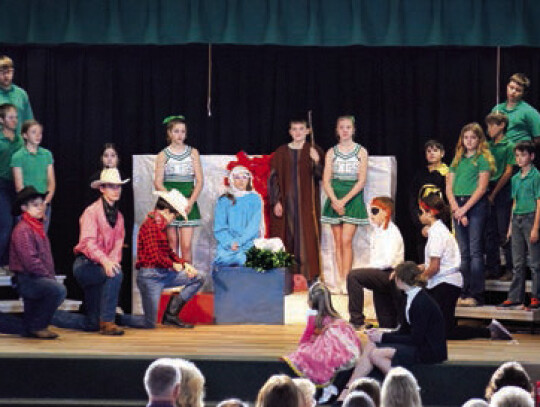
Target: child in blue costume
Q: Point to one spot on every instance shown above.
(237, 219)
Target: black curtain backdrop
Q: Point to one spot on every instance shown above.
(88, 95)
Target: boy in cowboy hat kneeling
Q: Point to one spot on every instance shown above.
(160, 267)
(31, 261)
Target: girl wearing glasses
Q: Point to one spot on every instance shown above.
(179, 166)
(237, 219)
(344, 178)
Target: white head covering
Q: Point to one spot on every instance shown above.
(239, 170)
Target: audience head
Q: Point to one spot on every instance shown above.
(278, 391)
(476, 403)
(512, 396)
(370, 386)
(176, 128)
(233, 403)
(381, 209)
(408, 274)
(400, 388)
(358, 399)
(191, 385)
(109, 156)
(306, 392)
(320, 300)
(509, 374)
(162, 380)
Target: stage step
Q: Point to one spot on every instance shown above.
(504, 286)
(492, 312)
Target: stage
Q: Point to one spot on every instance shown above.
(89, 369)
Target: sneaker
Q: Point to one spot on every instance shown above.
(499, 332)
(507, 276)
(509, 304)
(469, 302)
(535, 304)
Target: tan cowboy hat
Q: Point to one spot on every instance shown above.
(108, 176)
(175, 199)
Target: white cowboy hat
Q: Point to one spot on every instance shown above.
(175, 199)
(108, 176)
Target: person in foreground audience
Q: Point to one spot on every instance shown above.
(369, 386)
(162, 382)
(512, 396)
(358, 399)
(306, 392)
(31, 262)
(509, 374)
(278, 391)
(233, 403)
(400, 388)
(476, 403)
(191, 385)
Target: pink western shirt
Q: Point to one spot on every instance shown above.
(98, 240)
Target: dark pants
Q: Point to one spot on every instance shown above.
(497, 228)
(41, 297)
(387, 298)
(470, 242)
(446, 295)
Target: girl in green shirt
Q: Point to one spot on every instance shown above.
(466, 186)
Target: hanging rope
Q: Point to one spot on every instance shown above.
(209, 96)
(498, 78)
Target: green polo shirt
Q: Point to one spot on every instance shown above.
(525, 191)
(503, 153)
(7, 148)
(34, 166)
(523, 121)
(466, 174)
(19, 98)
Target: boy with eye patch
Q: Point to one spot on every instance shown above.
(385, 253)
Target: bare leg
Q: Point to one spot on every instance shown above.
(362, 368)
(347, 252)
(172, 237)
(186, 234)
(382, 358)
(337, 231)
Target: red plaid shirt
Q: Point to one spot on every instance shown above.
(153, 250)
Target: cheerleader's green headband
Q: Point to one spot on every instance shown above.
(169, 119)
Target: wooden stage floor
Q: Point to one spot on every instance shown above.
(239, 342)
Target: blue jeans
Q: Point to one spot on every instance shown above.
(471, 248)
(521, 242)
(7, 196)
(151, 282)
(497, 228)
(41, 297)
(100, 297)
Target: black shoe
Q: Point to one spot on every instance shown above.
(175, 321)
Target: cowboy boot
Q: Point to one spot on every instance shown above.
(170, 316)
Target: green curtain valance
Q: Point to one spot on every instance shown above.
(280, 22)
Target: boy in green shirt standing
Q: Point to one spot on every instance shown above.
(499, 197)
(524, 227)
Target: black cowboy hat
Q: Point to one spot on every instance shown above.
(23, 197)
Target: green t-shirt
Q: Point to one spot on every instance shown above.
(523, 121)
(19, 98)
(466, 174)
(525, 191)
(503, 153)
(7, 148)
(34, 167)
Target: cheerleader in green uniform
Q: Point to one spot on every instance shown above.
(179, 166)
(344, 178)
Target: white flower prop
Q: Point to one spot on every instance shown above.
(274, 244)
